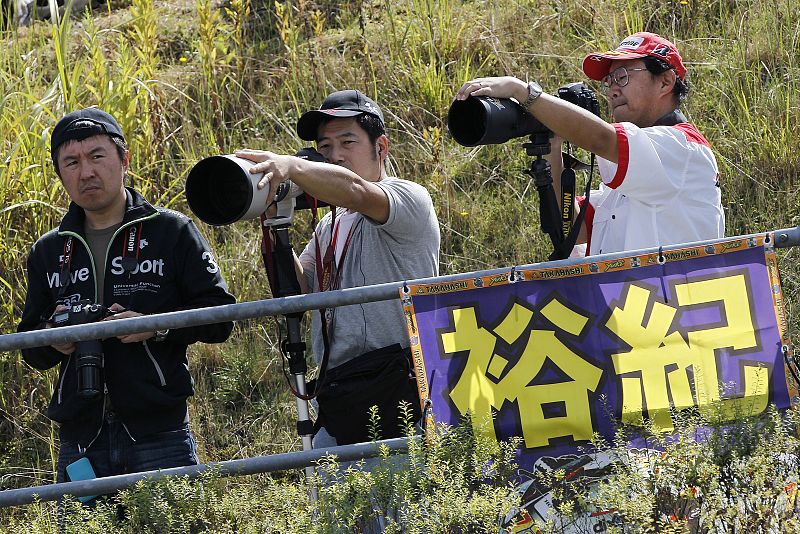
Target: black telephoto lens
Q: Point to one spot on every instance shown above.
(89, 364)
(487, 121)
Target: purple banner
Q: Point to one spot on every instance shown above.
(559, 354)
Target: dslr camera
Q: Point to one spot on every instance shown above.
(88, 354)
(581, 95)
(220, 190)
(483, 120)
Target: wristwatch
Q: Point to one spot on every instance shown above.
(534, 91)
(161, 335)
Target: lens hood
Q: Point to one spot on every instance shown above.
(220, 190)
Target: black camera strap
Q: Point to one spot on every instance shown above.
(570, 231)
(567, 200)
(564, 237)
(672, 118)
(267, 251)
(131, 245)
(65, 274)
(564, 248)
(268, 242)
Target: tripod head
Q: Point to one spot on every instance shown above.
(538, 144)
(290, 197)
(279, 260)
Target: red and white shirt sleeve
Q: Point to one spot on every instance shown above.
(663, 190)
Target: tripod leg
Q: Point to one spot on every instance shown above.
(295, 348)
(305, 429)
(284, 283)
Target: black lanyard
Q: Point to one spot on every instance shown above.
(129, 263)
(671, 119)
(65, 273)
(327, 279)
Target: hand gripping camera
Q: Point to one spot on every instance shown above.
(88, 354)
(220, 190)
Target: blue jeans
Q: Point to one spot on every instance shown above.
(115, 453)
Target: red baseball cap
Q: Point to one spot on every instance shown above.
(635, 46)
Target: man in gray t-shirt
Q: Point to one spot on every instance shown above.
(384, 230)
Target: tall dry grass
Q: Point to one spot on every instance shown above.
(190, 78)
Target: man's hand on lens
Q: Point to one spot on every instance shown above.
(119, 312)
(496, 87)
(63, 348)
(276, 169)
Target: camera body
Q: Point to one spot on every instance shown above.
(290, 197)
(88, 354)
(485, 120)
(581, 95)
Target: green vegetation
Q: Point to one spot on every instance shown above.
(739, 478)
(191, 78)
(455, 481)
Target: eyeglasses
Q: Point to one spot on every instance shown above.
(619, 76)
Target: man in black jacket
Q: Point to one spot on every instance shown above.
(114, 248)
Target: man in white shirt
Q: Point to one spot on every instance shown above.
(660, 184)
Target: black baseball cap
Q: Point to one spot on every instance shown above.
(83, 123)
(341, 104)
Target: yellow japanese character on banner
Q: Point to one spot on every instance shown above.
(664, 370)
(545, 410)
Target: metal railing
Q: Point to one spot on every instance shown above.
(245, 466)
(313, 301)
(247, 310)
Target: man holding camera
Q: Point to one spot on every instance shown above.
(384, 230)
(121, 402)
(660, 184)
